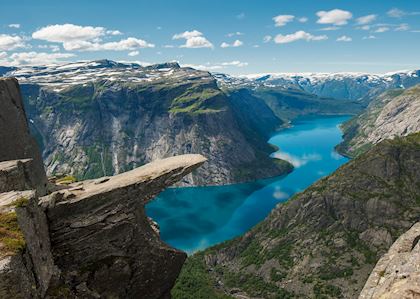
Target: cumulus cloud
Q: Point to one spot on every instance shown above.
(36, 58)
(303, 19)
(130, 43)
(344, 38)
(113, 32)
(282, 20)
(11, 42)
(16, 26)
(193, 39)
(3, 55)
(68, 32)
(299, 35)
(366, 19)
(236, 43)
(87, 38)
(336, 17)
(53, 48)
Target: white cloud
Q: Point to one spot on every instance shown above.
(11, 42)
(330, 28)
(364, 27)
(16, 26)
(366, 19)
(237, 33)
(236, 43)
(344, 38)
(169, 46)
(396, 13)
(87, 38)
(113, 32)
(282, 20)
(236, 63)
(53, 48)
(130, 43)
(402, 27)
(3, 55)
(336, 17)
(297, 161)
(193, 39)
(37, 58)
(303, 19)
(68, 33)
(133, 53)
(299, 35)
(267, 38)
(217, 66)
(369, 37)
(382, 29)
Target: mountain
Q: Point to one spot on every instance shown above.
(393, 113)
(90, 239)
(322, 243)
(351, 86)
(287, 104)
(101, 118)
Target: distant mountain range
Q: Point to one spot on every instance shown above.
(352, 86)
(102, 117)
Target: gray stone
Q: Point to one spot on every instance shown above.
(15, 139)
(397, 273)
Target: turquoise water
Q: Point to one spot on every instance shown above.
(195, 218)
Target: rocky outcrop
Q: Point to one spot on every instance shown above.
(397, 273)
(325, 241)
(90, 239)
(15, 139)
(394, 113)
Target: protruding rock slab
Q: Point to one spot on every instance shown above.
(397, 273)
(101, 239)
(17, 175)
(15, 139)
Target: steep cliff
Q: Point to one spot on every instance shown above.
(325, 241)
(89, 239)
(397, 273)
(394, 113)
(15, 139)
(103, 118)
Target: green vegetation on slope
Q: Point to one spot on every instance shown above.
(323, 242)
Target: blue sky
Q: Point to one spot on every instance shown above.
(236, 36)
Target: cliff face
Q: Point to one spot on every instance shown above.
(109, 125)
(90, 239)
(394, 113)
(325, 241)
(15, 139)
(397, 273)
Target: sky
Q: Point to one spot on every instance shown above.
(234, 37)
